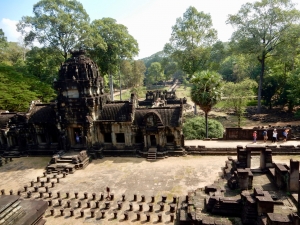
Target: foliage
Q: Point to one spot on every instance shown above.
(236, 68)
(190, 40)
(13, 53)
(60, 24)
(119, 45)
(237, 96)
(139, 91)
(293, 88)
(194, 128)
(15, 94)
(138, 72)
(154, 74)
(43, 63)
(261, 28)
(206, 91)
(3, 43)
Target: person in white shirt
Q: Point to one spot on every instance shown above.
(274, 136)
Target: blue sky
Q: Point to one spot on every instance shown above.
(148, 21)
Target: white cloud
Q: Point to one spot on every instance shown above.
(9, 28)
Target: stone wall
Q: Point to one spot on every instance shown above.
(246, 134)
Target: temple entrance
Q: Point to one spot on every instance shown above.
(77, 136)
(153, 140)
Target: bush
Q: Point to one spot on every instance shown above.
(194, 128)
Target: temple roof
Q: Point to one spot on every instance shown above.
(41, 113)
(116, 112)
(4, 119)
(79, 67)
(170, 116)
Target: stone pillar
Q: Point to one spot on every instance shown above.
(113, 138)
(248, 165)
(281, 174)
(145, 141)
(268, 157)
(243, 177)
(298, 203)
(294, 176)
(263, 158)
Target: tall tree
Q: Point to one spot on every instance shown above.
(15, 91)
(126, 71)
(60, 24)
(260, 29)
(206, 91)
(43, 63)
(154, 74)
(119, 45)
(138, 73)
(3, 44)
(237, 95)
(191, 37)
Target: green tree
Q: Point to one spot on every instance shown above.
(217, 54)
(15, 91)
(194, 128)
(260, 29)
(206, 91)
(154, 74)
(236, 68)
(169, 67)
(293, 88)
(238, 95)
(126, 72)
(43, 63)
(13, 53)
(60, 24)
(3, 44)
(119, 45)
(138, 73)
(190, 41)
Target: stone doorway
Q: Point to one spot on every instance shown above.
(77, 136)
(153, 140)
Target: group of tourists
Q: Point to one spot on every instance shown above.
(274, 135)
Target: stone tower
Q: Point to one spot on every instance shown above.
(80, 99)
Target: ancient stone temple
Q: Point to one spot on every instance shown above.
(83, 117)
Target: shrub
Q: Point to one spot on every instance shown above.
(194, 128)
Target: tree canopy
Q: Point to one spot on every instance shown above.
(191, 37)
(60, 24)
(237, 95)
(206, 91)
(260, 29)
(119, 45)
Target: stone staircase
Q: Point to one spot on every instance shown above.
(11, 211)
(152, 154)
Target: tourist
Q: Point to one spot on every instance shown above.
(285, 133)
(265, 134)
(77, 138)
(274, 136)
(254, 136)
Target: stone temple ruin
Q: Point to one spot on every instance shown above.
(83, 118)
(83, 123)
(233, 195)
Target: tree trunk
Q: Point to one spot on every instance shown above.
(111, 87)
(120, 85)
(262, 62)
(206, 124)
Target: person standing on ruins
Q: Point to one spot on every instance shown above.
(254, 136)
(274, 136)
(285, 133)
(265, 134)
